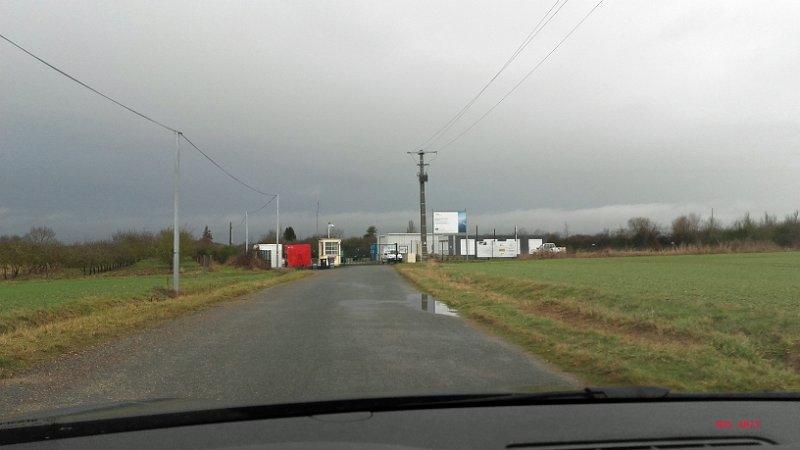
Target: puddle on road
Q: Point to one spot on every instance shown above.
(418, 302)
(429, 304)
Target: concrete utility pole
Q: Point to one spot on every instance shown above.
(176, 241)
(423, 177)
(278, 230)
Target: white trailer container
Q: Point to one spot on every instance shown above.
(498, 248)
(467, 247)
(410, 243)
(534, 244)
(268, 253)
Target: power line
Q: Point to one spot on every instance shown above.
(220, 217)
(523, 78)
(232, 176)
(265, 204)
(166, 127)
(534, 32)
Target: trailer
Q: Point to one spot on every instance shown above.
(297, 255)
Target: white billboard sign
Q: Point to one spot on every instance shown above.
(450, 222)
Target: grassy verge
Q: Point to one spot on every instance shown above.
(726, 322)
(41, 319)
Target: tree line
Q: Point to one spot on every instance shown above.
(39, 252)
(690, 230)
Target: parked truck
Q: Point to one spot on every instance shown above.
(549, 247)
(391, 256)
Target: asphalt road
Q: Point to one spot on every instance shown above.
(342, 333)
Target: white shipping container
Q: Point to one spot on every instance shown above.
(533, 244)
(467, 247)
(267, 252)
(498, 248)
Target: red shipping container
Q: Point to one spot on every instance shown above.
(298, 255)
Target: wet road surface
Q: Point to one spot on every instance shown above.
(342, 333)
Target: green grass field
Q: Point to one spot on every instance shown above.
(52, 294)
(690, 322)
(43, 318)
(133, 284)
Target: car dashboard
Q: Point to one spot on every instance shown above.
(663, 424)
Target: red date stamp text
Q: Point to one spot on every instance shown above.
(742, 424)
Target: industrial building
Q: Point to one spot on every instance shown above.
(492, 246)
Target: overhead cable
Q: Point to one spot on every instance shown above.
(539, 64)
(166, 127)
(232, 176)
(274, 196)
(89, 87)
(265, 204)
(534, 32)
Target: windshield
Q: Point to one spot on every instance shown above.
(287, 201)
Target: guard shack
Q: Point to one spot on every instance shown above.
(330, 253)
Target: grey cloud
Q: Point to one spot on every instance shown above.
(682, 105)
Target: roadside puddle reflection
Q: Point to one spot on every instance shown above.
(431, 305)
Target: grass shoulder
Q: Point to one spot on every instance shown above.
(40, 319)
(690, 322)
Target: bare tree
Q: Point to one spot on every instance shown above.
(187, 244)
(267, 237)
(686, 229)
(745, 228)
(12, 255)
(43, 250)
(643, 232)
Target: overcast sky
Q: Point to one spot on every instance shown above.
(649, 108)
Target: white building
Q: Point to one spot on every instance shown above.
(331, 249)
(410, 243)
(267, 253)
(448, 244)
(506, 247)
